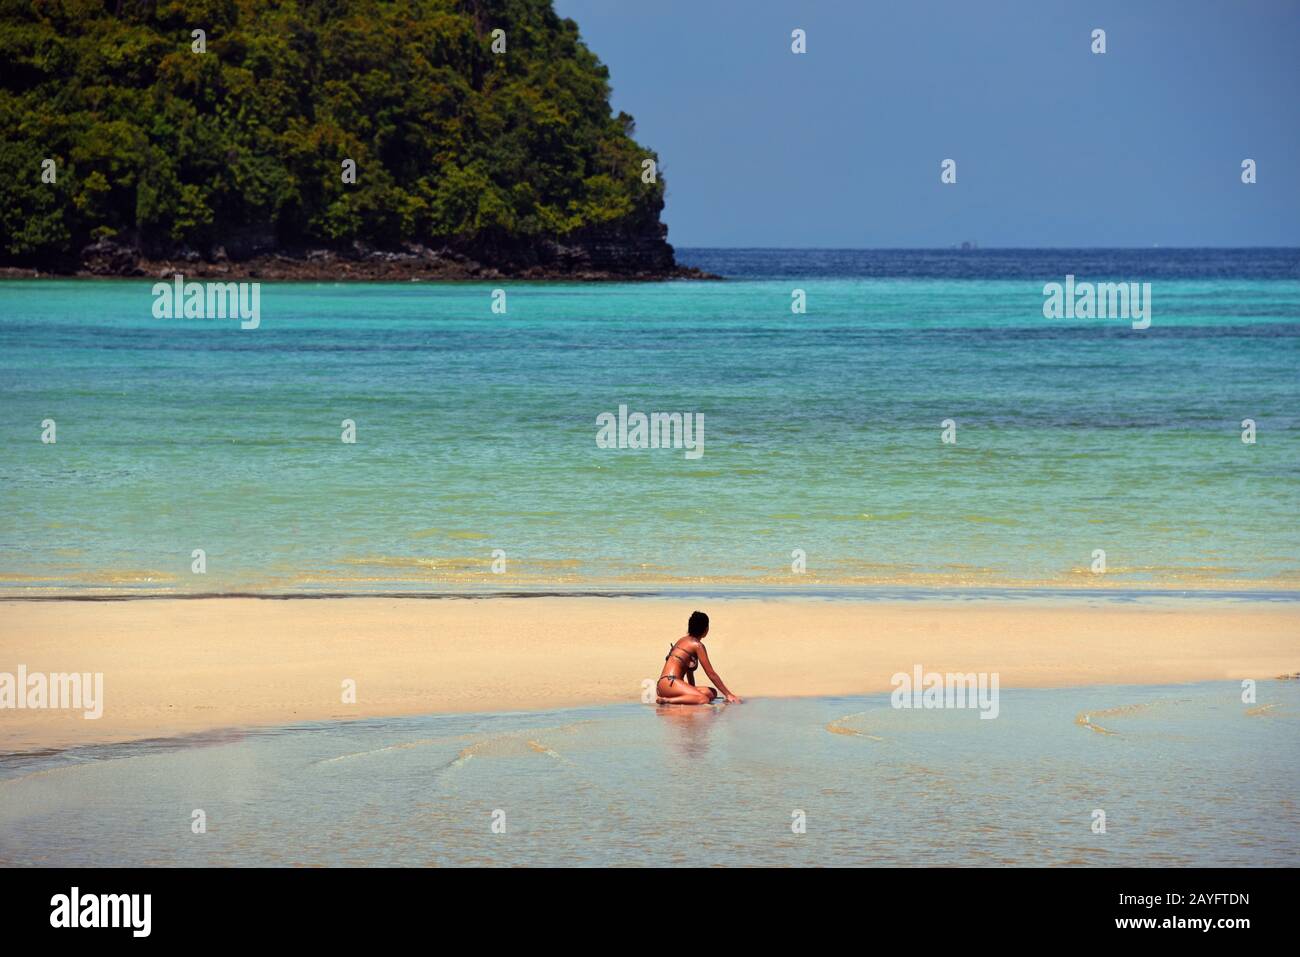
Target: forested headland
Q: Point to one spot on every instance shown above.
(331, 138)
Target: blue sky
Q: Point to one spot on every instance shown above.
(1055, 145)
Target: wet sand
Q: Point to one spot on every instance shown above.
(182, 666)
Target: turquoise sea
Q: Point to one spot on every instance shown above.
(476, 431)
(1181, 776)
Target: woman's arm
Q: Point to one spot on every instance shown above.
(713, 675)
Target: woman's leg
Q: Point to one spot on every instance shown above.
(679, 692)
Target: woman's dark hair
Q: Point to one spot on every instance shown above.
(698, 625)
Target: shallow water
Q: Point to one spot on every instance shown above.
(1186, 775)
(477, 432)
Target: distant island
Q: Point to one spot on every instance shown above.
(443, 139)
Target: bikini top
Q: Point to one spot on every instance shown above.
(691, 663)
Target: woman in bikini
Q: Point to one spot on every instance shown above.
(677, 684)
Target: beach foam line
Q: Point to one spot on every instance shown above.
(76, 764)
(1084, 718)
(837, 727)
(503, 742)
(518, 744)
(1263, 710)
(543, 749)
(404, 746)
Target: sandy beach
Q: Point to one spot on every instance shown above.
(181, 666)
